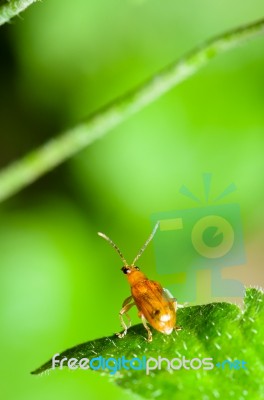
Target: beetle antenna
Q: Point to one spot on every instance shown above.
(147, 242)
(114, 246)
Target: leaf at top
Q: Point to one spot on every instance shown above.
(221, 331)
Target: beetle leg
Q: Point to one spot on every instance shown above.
(144, 322)
(177, 328)
(174, 302)
(176, 305)
(168, 293)
(125, 308)
(127, 300)
(182, 305)
(173, 299)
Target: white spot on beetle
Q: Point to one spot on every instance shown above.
(165, 317)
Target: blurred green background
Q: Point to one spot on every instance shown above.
(60, 61)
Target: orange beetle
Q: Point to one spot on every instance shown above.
(155, 304)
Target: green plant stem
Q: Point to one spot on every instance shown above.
(26, 170)
(12, 8)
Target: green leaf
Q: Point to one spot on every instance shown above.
(221, 331)
(12, 8)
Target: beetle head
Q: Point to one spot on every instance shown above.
(128, 269)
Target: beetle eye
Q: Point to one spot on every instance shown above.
(125, 269)
(137, 268)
